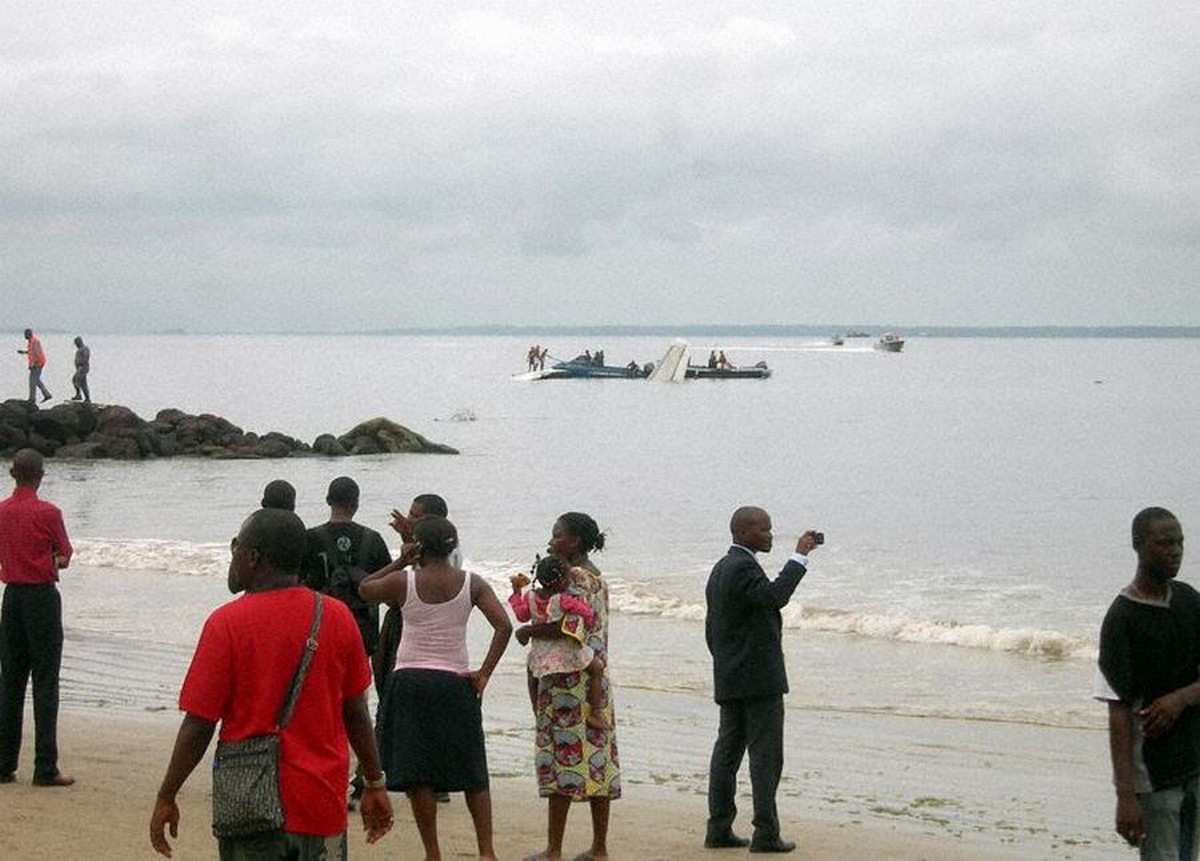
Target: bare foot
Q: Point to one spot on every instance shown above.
(596, 721)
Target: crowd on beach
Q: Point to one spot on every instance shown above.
(428, 736)
(294, 654)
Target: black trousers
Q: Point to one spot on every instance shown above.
(31, 639)
(757, 726)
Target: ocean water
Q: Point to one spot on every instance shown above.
(975, 494)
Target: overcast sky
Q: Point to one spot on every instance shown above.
(271, 165)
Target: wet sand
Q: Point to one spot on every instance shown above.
(119, 759)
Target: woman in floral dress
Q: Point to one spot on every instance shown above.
(576, 761)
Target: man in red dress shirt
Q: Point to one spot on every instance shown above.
(33, 548)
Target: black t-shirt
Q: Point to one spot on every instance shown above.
(333, 544)
(1147, 650)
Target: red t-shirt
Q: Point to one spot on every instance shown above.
(247, 654)
(31, 535)
(35, 356)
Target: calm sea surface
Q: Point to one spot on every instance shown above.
(975, 494)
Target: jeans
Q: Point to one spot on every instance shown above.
(36, 384)
(1171, 823)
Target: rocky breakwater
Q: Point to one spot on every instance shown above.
(84, 431)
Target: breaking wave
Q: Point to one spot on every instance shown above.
(151, 554)
(635, 598)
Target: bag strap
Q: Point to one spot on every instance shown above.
(310, 646)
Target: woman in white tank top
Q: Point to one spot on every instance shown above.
(430, 724)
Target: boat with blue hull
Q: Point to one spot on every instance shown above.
(673, 367)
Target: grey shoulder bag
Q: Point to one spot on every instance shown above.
(246, 773)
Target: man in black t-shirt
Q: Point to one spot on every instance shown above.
(1149, 674)
(341, 552)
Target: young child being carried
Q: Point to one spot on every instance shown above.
(550, 602)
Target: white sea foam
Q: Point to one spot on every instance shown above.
(905, 629)
(640, 599)
(637, 599)
(150, 554)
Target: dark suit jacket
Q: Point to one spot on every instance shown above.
(743, 627)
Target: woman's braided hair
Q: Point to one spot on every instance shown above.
(583, 527)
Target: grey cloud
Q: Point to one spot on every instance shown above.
(930, 163)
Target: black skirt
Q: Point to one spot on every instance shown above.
(430, 731)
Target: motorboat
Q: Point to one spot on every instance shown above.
(584, 370)
(758, 371)
(890, 342)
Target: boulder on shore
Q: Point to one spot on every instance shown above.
(87, 431)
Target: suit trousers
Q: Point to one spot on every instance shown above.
(757, 726)
(31, 640)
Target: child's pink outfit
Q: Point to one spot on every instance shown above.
(549, 655)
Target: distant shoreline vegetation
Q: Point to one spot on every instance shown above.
(709, 331)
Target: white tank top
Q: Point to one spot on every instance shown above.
(435, 635)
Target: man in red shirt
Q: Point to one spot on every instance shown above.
(239, 677)
(35, 357)
(33, 547)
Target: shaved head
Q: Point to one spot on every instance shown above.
(743, 517)
(750, 527)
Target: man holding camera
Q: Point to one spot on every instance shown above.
(744, 632)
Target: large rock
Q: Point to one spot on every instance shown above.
(327, 444)
(381, 435)
(84, 431)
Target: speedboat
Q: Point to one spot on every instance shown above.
(759, 371)
(579, 370)
(890, 343)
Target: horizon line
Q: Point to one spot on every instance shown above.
(709, 329)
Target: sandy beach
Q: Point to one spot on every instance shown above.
(118, 761)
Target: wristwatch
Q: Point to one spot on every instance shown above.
(378, 783)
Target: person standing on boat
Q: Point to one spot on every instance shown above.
(743, 629)
(1149, 677)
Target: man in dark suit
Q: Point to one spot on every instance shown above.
(744, 630)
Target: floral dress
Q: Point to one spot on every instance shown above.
(572, 758)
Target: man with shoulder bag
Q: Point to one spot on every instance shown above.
(280, 669)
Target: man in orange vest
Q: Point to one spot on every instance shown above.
(36, 357)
